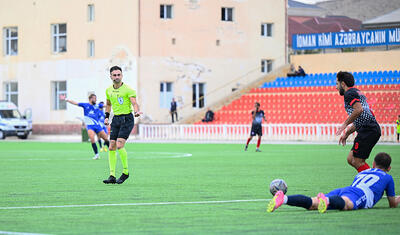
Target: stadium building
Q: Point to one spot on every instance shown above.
(195, 51)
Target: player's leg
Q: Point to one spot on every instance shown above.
(100, 143)
(112, 154)
(355, 158)
(349, 205)
(338, 199)
(104, 136)
(105, 147)
(358, 163)
(292, 200)
(363, 144)
(252, 134)
(92, 135)
(123, 155)
(398, 135)
(247, 143)
(123, 135)
(259, 133)
(258, 144)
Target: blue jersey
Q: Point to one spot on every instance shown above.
(91, 113)
(373, 182)
(101, 117)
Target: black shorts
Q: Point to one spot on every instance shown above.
(256, 130)
(365, 140)
(121, 126)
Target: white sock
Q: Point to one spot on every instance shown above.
(285, 199)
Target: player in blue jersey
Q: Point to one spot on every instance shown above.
(91, 119)
(363, 120)
(365, 191)
(256, 127)
(101, 121)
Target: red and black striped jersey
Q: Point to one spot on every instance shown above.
(367, 118)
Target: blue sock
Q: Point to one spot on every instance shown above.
(94, 146)
(336, 202)
(299, 201)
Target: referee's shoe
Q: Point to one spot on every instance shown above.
(110, 180)
(122, 178)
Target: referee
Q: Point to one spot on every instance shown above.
(121, 98)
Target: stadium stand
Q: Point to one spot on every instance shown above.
(314, 99)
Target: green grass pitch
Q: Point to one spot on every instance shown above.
(61, 174)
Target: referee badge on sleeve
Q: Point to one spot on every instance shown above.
(120, 100)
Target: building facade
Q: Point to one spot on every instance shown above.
(193, 50)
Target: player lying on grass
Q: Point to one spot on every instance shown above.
(366, 190)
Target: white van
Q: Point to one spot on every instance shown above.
(12, 123)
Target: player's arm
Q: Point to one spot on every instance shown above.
(71, 101)
(344, 137)
(393, 201)
(253, 114)
(357, 110)
(107, 113)
(135, 106)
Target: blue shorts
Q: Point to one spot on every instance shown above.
(105, 129)
(95, 128)
(356, 195)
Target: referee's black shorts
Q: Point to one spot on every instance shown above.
(121, 126)
(365, 140)
(256, 130)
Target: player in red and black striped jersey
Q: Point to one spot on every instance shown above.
(362, 119)
(256, 126)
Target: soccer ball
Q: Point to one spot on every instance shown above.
(276, 185)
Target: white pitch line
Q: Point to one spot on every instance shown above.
(136, 155)
(18, 233)
(136, 204)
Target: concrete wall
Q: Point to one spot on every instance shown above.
(195, 57)
(131, 34)
(114, 31)
(353, 62)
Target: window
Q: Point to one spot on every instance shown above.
(59, 91)
(166, 94)
(226, 14)
(11, 92)
(90, 12)
(266, 66)
(166, 11)
(59, 37)
(198, 100)
(10, 41)
(266, 30)
(90, 44)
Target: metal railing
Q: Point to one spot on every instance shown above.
(225, 132)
